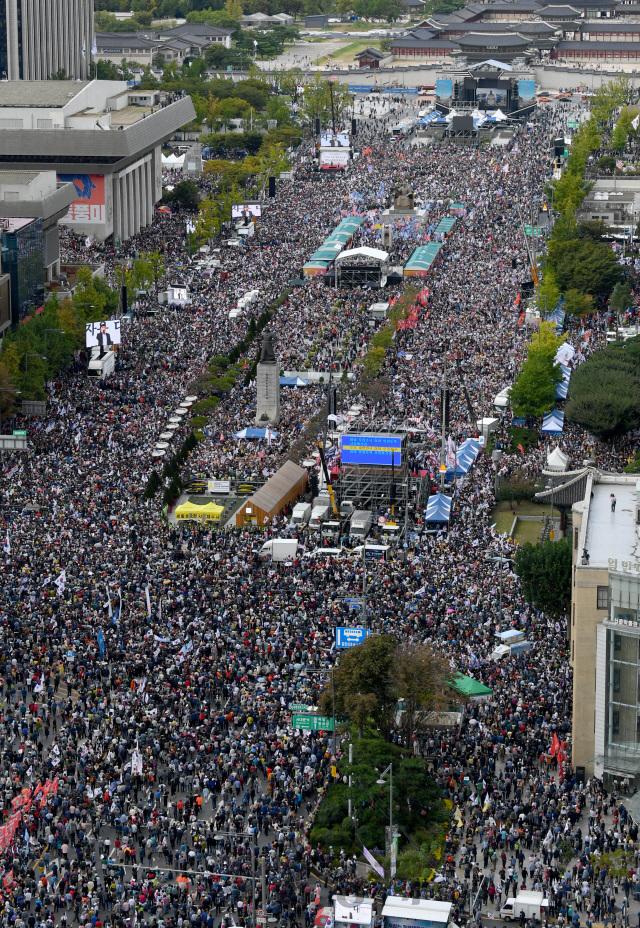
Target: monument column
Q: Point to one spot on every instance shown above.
(268, 384)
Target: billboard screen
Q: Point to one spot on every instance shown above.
(526, 90)
(334, 159)
(90, 205)
(492, 96)
(372, 450)
(444, 89)
(327, 140)
(239, 210)
(103, 334)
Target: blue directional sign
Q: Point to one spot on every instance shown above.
(349, 637)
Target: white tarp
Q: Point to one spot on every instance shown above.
(374, 253)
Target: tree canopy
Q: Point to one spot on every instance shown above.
(604, 392)
(545, 573)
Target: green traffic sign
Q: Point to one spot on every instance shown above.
(299, 707)
(535, 231)
(315, 722)
(19, 432)
(573, 124)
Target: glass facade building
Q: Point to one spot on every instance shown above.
(23, 260)
(618, 680)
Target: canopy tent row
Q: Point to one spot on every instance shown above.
(438, 508)
(563, 387)
(421, 260)
(364, 252)
(342, 234)
(553, 422)
(466, 455)
(445, 225)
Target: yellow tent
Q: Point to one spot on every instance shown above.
(209, 512)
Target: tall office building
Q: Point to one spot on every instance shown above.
(40, 38)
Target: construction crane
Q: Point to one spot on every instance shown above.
(326, 477)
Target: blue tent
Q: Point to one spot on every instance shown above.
(293, 382)
(471, 444)
(563, 388)
(553, 422)
(438, 508)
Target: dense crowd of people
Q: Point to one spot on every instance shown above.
(150, 770)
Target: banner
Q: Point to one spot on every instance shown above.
(374, 863)
(90, 205)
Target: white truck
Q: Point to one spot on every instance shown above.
(301, 514)
(279, 549)
(360, 524)
(101, 367)
(533, 904)
(319, 514)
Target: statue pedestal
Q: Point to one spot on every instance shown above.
(268, 385)
(388, 215)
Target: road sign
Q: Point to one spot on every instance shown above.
(299, 707)
(573, 124)
(536, 230)
(349, 637)
(353, 603)
(315, 722)
(19, 432)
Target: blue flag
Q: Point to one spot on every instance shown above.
(101, 642)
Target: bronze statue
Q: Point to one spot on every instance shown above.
(267, 355)
(403, 197)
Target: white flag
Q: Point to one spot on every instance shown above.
(636, 122)
(146, 589)
(94, 47)
(84, 49)
(108, 603)
(7, 544)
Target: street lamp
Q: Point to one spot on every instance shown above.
(382, 782)
(45, 336)
(30, 354)
(501, 560)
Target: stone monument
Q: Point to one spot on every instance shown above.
(268, 384)
(403, 206)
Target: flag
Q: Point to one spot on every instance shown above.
(374, 863)
(8, 880)
(619, 164)
(555, 745)
(146, 590)
(520, 449)
(190, 227)
(60, 582)
(636, 122)
(6, 544)
(101, 642)
(136, 762)
(451, 452)
(94, 47)
(108, 603)
(84, 49)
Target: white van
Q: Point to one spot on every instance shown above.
(101, 367)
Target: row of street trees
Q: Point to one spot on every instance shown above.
(382, 685)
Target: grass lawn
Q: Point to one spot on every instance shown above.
(346, 53)
(528, 531)
(526, 508)
(360, 26)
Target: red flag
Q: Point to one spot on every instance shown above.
(555, 745)
(8, 880)
(520, 449)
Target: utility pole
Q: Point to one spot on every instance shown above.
(263, 884)
(364, 588)
(254, 848)
(443, 407)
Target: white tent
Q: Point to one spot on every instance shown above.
(375, 253)
(172, 161)
(564, 353)
(557, 460)
(499, 116)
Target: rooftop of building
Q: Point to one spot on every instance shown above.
(612, 534)
(40, 93)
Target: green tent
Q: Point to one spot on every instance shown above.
(470, 688)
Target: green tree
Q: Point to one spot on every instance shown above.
(9, 399)
(545, 573)
(364, 685)
(533, 393)
(578, 304)
(185, 194)
(604, 392)
(621, 298)
(422, 683)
